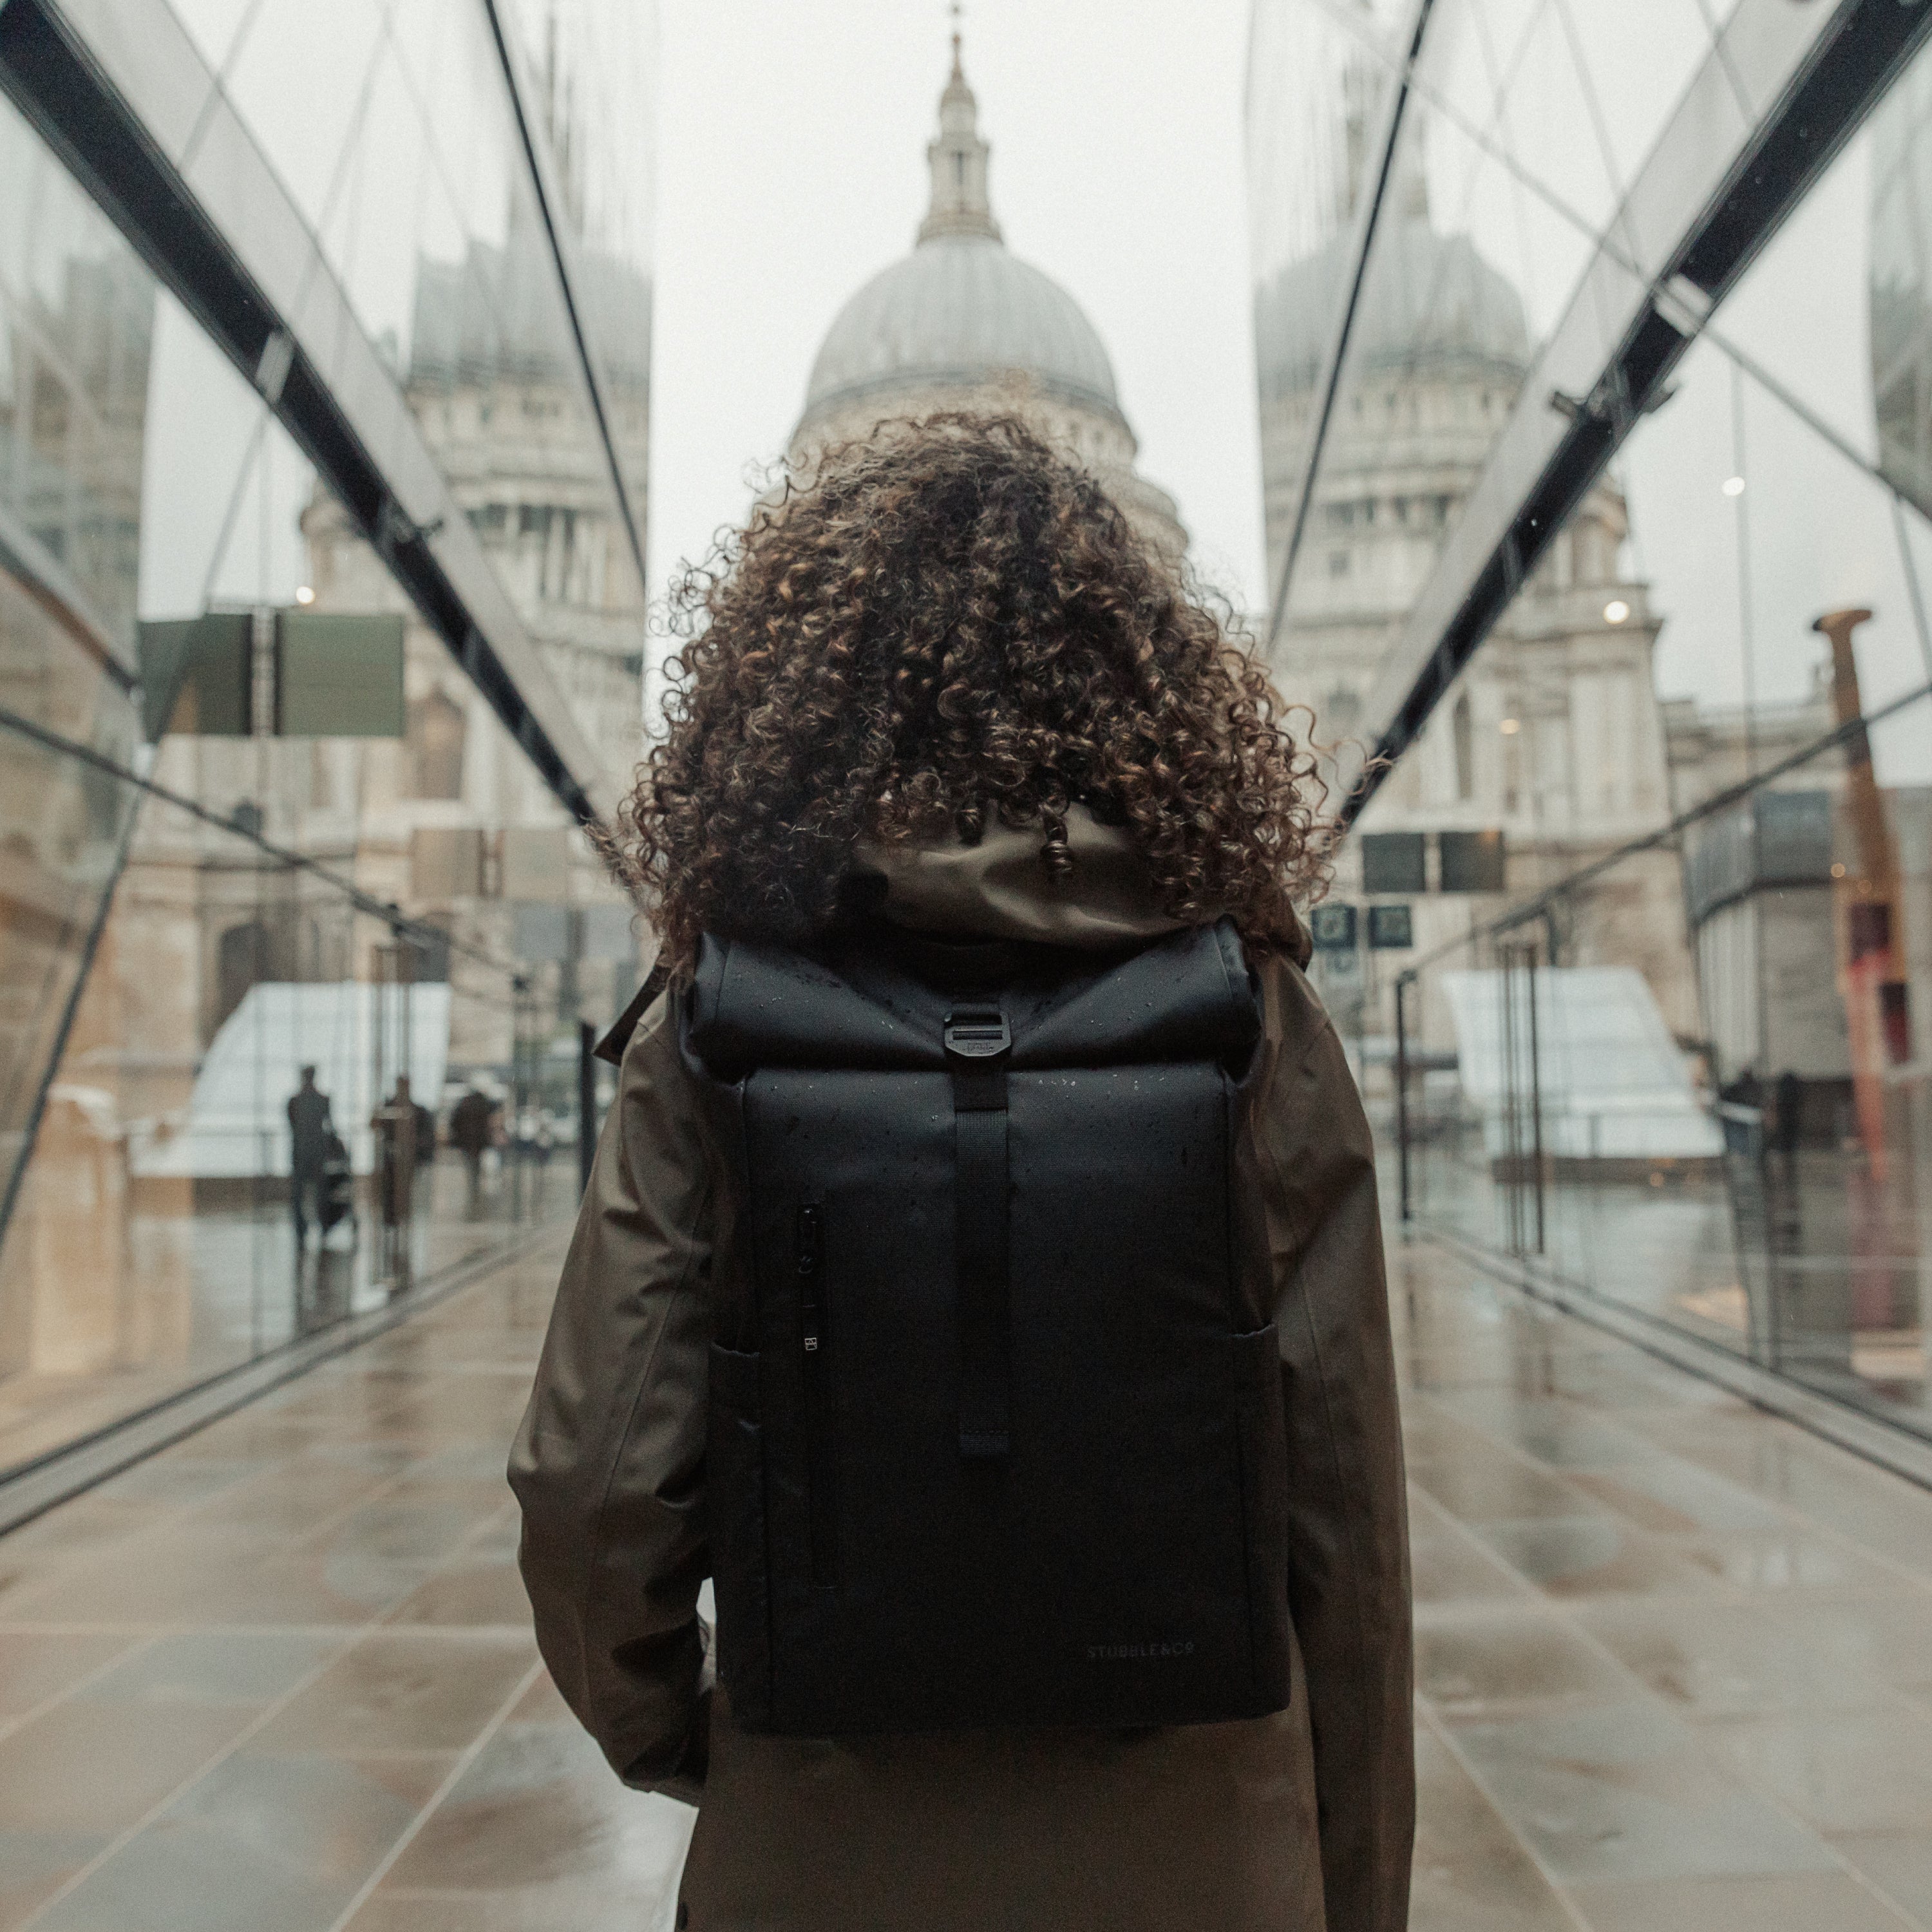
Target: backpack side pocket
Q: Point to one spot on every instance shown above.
(1263, 1438)
(735, 1499)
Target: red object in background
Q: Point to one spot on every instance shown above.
(1867, 929)
(1895, 1017)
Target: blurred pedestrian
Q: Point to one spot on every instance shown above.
(405, 1147)
(980, 1276)
(536, 1141)
(472, 1130)
(310, 1130)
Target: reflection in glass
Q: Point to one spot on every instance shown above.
(184, 1209)
(177, 1197)
(1674, 1052)
(76, 316)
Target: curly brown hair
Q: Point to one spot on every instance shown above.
(943, 622)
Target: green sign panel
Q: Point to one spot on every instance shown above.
(341, 675)
(338, 674)
(1472, 862)
(195, 676)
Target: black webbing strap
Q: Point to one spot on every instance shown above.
(977, 1043)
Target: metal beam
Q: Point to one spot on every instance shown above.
(119, 91)
(1716, 188)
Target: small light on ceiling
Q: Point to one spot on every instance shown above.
(305, 594)
(1734, 486)
(1615, 611)
(1509, 725)
(1838, 871)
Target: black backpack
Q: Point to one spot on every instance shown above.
(990, 1442)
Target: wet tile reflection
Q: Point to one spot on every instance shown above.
(1621, 1791)
(1672, 1659)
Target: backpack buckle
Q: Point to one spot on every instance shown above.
(980, 1034)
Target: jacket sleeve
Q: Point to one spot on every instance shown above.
(1348, 1581)
(608, 1464)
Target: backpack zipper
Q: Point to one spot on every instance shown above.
(814, 1334)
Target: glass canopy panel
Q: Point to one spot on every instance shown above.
(1899, 286)
(1834, 311)
(1634, 63)
(1471, 51)
(1725, 471)
(216, 25)
(1318, 88)
(1551, 126)
(412, 174)
(224, 485)
(1685, 531)
(76, 323)
(325, 58)
(600, 58)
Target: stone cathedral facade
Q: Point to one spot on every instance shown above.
(1552, 743)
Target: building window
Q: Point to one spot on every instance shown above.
(436, 730)
(1463, 731)
(1338, 563)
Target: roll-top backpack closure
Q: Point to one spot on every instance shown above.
(1190, 996)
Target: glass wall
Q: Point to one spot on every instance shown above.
(187, 1207)
(1633, 944)
(1763, 1183)
(76, 323)
(197, 902)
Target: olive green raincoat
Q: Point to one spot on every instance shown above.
(1298, 1823)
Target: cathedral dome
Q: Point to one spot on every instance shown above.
(1430, 305)
(961, 323)
(961, 310)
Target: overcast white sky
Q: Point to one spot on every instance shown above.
(793, 168)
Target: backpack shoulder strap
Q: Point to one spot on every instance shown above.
(611, 1047)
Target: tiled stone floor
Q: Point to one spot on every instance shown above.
(1675, 1659)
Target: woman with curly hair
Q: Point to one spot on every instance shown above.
(976, 1126)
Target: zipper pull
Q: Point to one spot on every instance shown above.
(811, 1260)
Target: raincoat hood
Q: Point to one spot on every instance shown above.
(1000, 888)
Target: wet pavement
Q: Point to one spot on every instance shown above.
(1675, 1658)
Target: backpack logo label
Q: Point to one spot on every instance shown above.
(1135, 1653)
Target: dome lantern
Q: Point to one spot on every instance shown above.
(957, 159)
